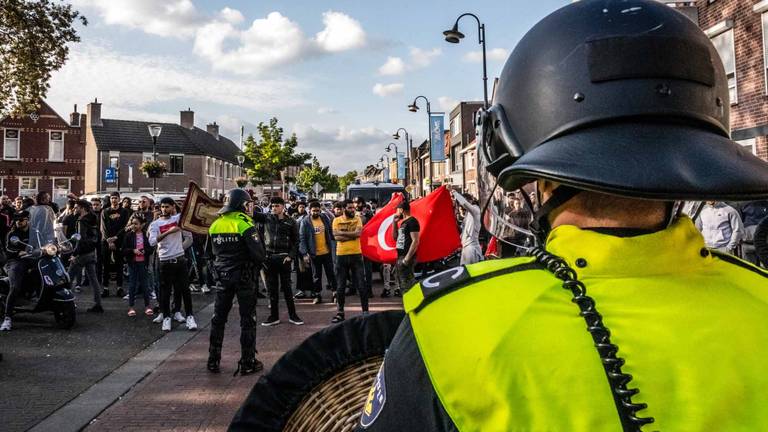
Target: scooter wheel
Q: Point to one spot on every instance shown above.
(65, 315)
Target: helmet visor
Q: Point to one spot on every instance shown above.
(505, 214)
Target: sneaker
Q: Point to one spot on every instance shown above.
(149, 312)
(6, 325)
(318, 299)
(385, 293)
(204, 289)
(95, 309)
(153, 296)
(300, 295)
(191, 324)
(105, 293)
(127, 297)
(397, 293)
(131, 312)
(193, 288)
(166, 324)
(77, 289)
(158, 319)
(295, 320)
(179, 317)
(338, 318)
(271, 321)
(213, 364)
(120, 292)
(250, 366)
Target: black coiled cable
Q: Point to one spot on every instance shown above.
(622, 396)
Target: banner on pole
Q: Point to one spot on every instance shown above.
(437, 136)
(401, 166)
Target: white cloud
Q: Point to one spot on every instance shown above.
(273, 41)
(327, 110)
(385, 90)
(418, 59)
(341, 33)
(496, 54)
(230, 15)
(422, 58)
(447, 103)
(341, 148)
(136, 82)
(170, 18)
(393, 66)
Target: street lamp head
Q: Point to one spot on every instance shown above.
(240, 159)
(396, 135)
(154, 130)
(413, 107)
(453, 35)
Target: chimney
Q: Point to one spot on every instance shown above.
(74, 118)
(93, 111)
(188, 119)
(213, 129)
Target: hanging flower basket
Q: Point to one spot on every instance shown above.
(241, 181)
(154, 169)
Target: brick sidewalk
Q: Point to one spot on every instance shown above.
(181, 395)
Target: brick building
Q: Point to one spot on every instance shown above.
(739, 30)
(462, 162)
(190, 153)
(42, 152)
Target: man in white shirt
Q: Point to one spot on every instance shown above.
(721, 226)
(171, 241)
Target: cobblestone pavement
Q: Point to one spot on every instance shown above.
(44, 367)
(181, 395)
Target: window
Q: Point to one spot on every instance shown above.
(27, 186)
(177, 164)
(221, 169)
(724, 44)
(750, 144)
(456, 126)
(61, 187)
(765, 48)
(114, 161)
(56, 146)
(11, 145)
(455, 159)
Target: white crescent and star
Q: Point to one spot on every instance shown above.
(382, 234)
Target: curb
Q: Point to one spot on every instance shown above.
(80, 411)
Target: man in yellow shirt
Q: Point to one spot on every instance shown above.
(316, 244)
(349, 258)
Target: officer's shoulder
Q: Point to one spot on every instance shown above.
(735, 261)
(456, 278)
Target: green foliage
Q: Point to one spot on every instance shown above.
(317, 174)
(271, 153)
(33, 43)
(346, 180)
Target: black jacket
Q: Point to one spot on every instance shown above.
(113, 223)
(129, 244)
(88, 228)
(761, 241)
(280, 235)
(12, 252)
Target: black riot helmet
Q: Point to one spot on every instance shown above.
(236, 200)
(621, 97)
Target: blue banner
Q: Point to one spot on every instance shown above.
(437, 136)
(401, 166)
(110, 175)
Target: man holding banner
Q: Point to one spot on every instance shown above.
(406, 237)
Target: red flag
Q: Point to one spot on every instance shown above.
(439, 233)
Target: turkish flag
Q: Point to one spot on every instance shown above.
(438, 235)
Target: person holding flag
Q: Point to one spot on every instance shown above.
(406, 235)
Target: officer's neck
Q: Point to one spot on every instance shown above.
(651, 220)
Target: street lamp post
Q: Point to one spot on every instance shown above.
(408, 161)
(154, 132)
(397, 159)
(240, 160)
(386, 167)
(414, 108)
(455, 36)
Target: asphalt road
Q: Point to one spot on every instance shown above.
(44, 367)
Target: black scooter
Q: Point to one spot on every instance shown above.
(46, 288)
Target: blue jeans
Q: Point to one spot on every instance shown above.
(138, 278)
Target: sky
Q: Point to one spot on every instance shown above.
(339, 74)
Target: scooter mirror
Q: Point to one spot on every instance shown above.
(14, 240)
(75, 237)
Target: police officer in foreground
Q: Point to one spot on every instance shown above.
(237, 250)
(620, 318)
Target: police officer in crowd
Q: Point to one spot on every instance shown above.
(237, 250)
(620, 318)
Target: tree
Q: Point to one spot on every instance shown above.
(307, 178)
(346, 180)
(33, 44)
(271, 154)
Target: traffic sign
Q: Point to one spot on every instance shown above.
(317, 188)
(110, 175)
